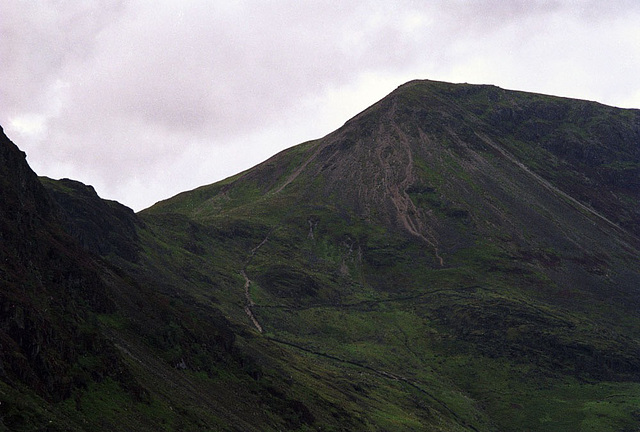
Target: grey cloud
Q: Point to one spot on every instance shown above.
(42, 38)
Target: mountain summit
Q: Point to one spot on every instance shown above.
(447, 163)
(455, 257)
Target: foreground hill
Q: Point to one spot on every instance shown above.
(87, 343)
(455, 257)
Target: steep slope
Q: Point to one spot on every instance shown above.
(89, 345)
(476, 245)
(106, 228)
(50, 297)
(455, 257)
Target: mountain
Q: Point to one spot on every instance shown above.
(51, 293)
(455, 257)
(88, 345)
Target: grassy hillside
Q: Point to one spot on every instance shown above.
(455, 257)
(465, 244)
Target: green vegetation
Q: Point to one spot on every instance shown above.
(456, 257)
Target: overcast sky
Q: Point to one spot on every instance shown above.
(145, 99)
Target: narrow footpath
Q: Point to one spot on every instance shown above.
(249, 302)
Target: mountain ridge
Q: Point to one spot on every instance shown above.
(455, 257)
(397, 201)
(497, 115)
(586, 260)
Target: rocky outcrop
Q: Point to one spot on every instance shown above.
(103, 227)
(50, 289)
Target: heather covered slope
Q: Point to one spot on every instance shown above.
(51, 294)
(455, 257)
(88, 344)
(433, 163)
(454, 234)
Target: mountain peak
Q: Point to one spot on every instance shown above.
(499, 214)
(438, 161)
(454, 257)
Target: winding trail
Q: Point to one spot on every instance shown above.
(249, 302)
(416, 385)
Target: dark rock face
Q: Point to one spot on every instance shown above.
(54, 290)
(49, 288)
(103, 227)
(24, 201)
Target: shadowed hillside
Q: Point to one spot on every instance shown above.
(455, 257)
